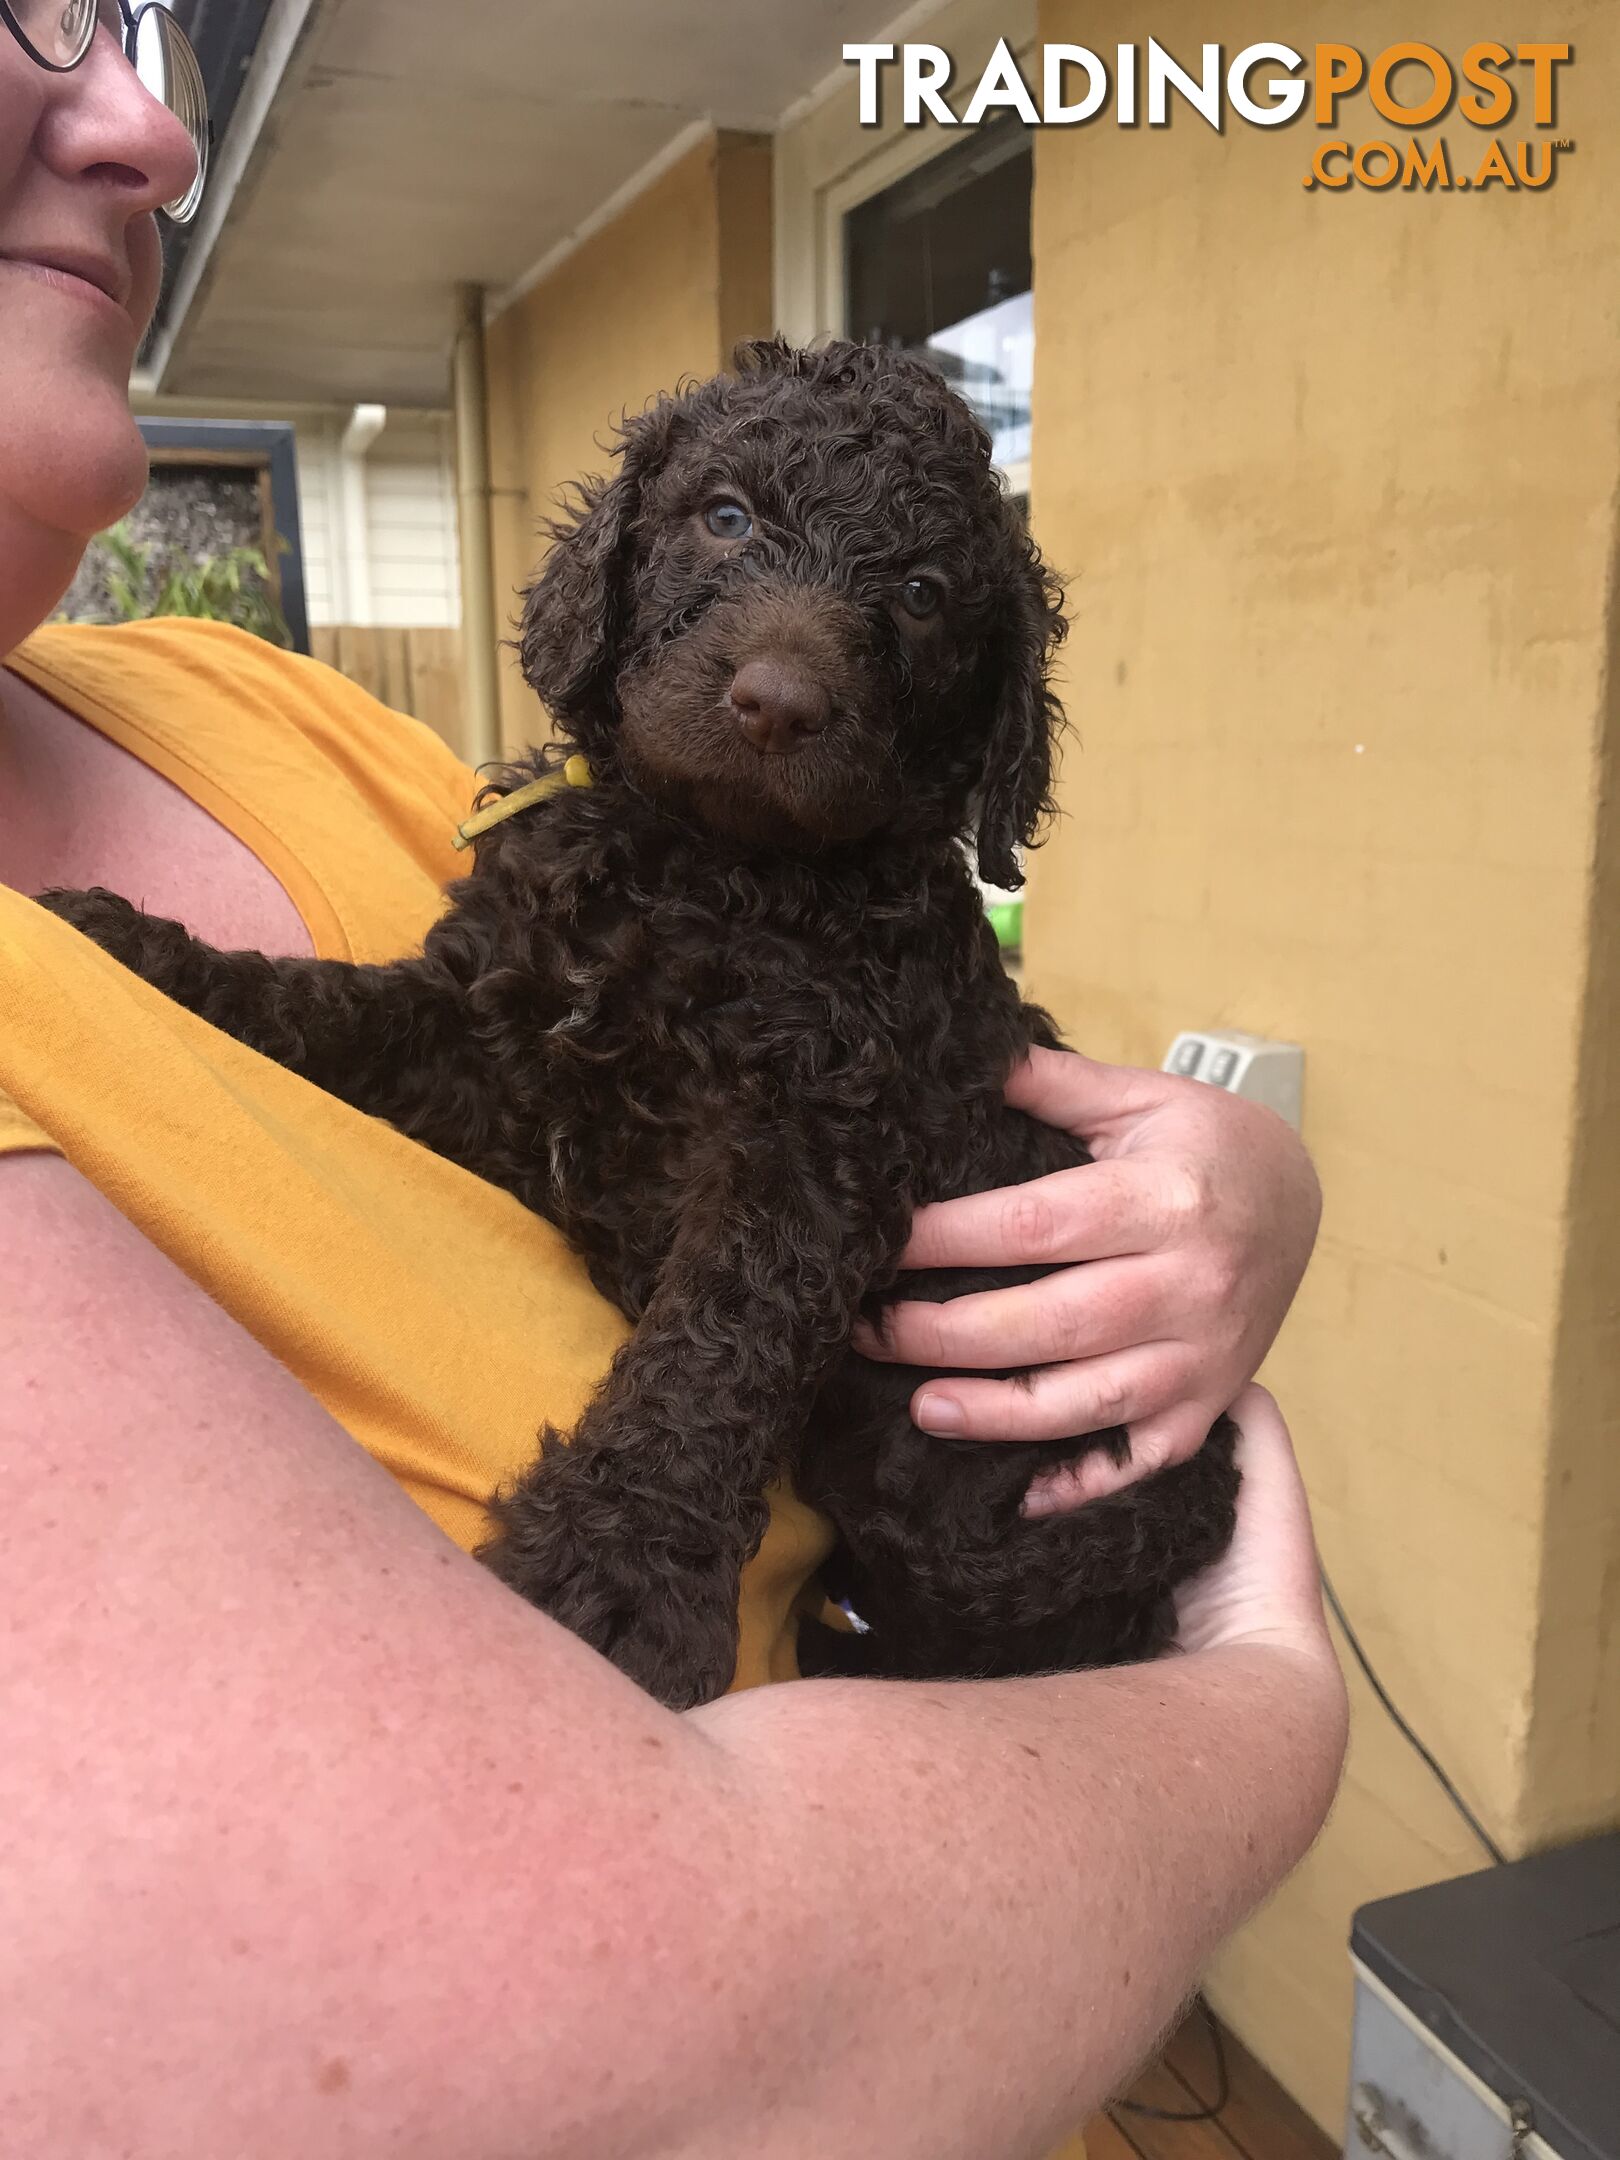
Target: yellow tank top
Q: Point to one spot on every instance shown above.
(435, 1318)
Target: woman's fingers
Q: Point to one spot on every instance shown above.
(1075, 1093)
(1078, 1312)
(1173, 1257)
(1174, 1436)
(1096, 1211)
(1059, 1401)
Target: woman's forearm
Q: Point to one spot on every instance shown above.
(997, 1895)
(317, 1840)
(1042, 1866)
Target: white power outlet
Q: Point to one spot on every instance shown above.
(1272, 1073)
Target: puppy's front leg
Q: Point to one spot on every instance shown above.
(636, 1534)
(393, 1040)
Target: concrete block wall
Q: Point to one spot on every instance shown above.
(1336, 479)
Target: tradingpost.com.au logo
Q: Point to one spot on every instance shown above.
(1487, 88)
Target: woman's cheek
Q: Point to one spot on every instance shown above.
(20, 105)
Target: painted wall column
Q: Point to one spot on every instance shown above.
(470, 400)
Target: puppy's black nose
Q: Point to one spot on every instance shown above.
(778, 705)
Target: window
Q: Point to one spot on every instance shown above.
(939, 264)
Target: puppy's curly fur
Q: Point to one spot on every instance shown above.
(730, 1014)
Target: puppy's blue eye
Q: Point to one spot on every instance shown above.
(728, 521)
(920, 596)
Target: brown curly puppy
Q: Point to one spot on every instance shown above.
(727, 1015)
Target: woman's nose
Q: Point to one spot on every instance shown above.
(109, 126)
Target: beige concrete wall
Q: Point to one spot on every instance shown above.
(664, 290)
(1574, 1763)
(1337, 478)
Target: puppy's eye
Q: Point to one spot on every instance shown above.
(921, 597)
(728, 521)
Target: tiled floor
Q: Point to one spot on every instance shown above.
(1258, 2122)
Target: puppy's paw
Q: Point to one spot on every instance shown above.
(607, 1563)
(119, 927)
(679, 1639)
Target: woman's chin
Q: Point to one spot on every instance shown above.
(80, 476)
(106, 470)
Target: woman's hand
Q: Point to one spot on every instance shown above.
(1266, 1588)
(1190, 1231)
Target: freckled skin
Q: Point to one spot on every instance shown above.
(730, 1014)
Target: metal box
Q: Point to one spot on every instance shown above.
(1488, 2015)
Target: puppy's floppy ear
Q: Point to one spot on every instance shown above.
(1014, 796)
(572, 621)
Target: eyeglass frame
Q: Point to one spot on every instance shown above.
(132, 17)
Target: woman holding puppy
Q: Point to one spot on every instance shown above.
(316, 1840)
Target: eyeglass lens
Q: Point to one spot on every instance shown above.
(168, 69)
(60, 30)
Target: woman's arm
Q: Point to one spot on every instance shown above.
(317, 1840)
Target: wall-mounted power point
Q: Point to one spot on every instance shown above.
(1272, 1073)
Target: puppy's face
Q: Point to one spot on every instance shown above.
(803, 612)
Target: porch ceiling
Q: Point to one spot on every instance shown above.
(420, 143)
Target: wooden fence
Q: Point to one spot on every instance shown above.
(415, 671)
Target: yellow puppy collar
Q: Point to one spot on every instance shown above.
(575, 773)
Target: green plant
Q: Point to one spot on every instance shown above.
(143, 579)
(125, 565)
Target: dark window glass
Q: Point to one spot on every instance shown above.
(940, 264)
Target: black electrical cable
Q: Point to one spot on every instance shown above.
(1498, 1857)
(1208, 2111)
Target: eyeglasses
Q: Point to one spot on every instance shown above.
(58, 34)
